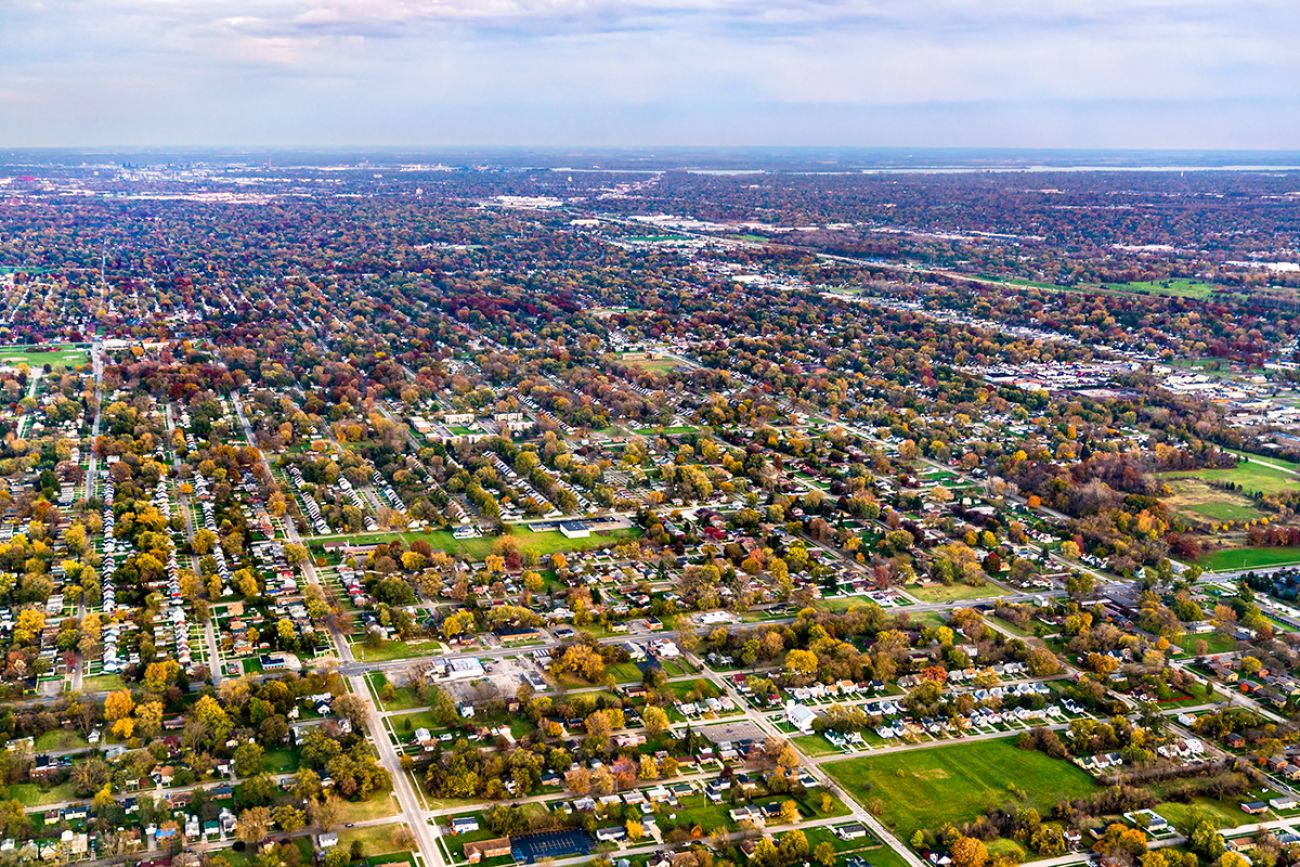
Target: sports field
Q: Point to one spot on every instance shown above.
(1232, 559)
(57, 357)
(650, 362)
(925, 788)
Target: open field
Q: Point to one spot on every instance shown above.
(927, 788)
(1252, 475)
(952, 592)
(1214, 642)
(388, 650)
(1232, 559)
(1176, 287)
(38, 356)
(377, 806)
(649, 362)
(374, 839)
(544, 544)
(1196, 499)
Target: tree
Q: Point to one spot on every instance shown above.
(578, 781)
(802, 662)
(969, 852)
(326, 813)
(789, 813)
(1206, 841)
(158, 674)
(1048, 841)
(148, 718)
(1121, 840)
(792, 847)
(247, 759)
(656, 721)
(89, 776)
(118, 705)
(289, 818)
(254, 825)
(824, 854)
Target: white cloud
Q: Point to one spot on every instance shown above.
(684, 70)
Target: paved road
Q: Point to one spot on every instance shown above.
(97, 366)
(403, 788)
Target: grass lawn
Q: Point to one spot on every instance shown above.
(59, 356)
(375, 839)
(649, 362)
(102, 683)
(1176, 287)
(814, 745)
(402, 697)
(952, 592)
(666, 431)
(1214, 642)
(1252, 475)
(925, 788)
(60, 739)
(1219, 813)
(1195, 498)
(544, 544)
(1230, 559)
(386, 650)
(31, 795)
(377, 806)
(248, 857)
(280, 761)
(885, 857)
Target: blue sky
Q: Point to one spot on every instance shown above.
(1021, 73)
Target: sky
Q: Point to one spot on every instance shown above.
(1195, 74)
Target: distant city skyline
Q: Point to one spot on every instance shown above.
(384, 73)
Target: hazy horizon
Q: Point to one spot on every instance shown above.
(270, 74)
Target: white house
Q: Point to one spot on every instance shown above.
(799, 716)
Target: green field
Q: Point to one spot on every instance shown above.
(374, 839)
(32, 795)
(388, 650)
(1252, 475)
(1175, 287)
(404, 697)
(377, 806)
(1232, 559)
(1214, 642)
(656, 239)
(60, 739)
(649, 362)
(952, 592)
(59, 356)
(280, 761)
(930, 787)
(665, 431)
(1194, 497)
(543, 544)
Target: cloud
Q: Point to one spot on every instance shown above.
(815, 71)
